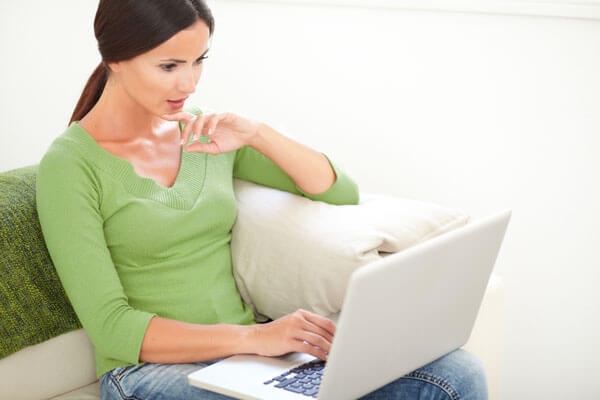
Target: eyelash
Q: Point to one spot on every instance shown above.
(169, 67)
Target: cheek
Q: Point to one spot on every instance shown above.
(157, 81)
(155, 87)
(138, 83)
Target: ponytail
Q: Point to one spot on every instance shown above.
(91, 93)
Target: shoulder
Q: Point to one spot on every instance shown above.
(65, 150)
(66, 162)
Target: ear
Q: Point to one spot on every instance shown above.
(114, 66)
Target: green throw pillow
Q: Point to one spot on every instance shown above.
(33, 303)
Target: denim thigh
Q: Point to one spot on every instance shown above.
(153, 381)
(458, 375)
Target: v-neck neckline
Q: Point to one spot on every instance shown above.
(185, 190)
(182, 159)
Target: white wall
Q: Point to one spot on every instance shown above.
(480, 112)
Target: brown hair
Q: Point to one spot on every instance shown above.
(127, 28)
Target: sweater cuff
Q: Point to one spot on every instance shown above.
(139, 325)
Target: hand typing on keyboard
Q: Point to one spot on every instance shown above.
(302, 331)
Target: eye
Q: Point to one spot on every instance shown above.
(167, 67)
(199, 61)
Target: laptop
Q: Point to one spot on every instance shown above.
(399, 313)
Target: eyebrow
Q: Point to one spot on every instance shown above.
(183, 61)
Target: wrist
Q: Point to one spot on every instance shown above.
(261, 137)
(248, 340)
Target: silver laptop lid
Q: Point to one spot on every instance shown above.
(411, 308)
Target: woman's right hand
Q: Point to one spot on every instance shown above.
(300, 331)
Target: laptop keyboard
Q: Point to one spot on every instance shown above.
(304, 379)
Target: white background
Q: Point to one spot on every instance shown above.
(476, 111)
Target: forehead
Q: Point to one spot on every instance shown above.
(191, 41)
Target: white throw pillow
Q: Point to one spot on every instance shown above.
(291, 252)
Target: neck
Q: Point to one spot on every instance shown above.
(117, 117)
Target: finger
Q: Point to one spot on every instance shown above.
(211, 123)
(188, 130)
(178, 116)
(199, 147)
(315, 340)
(197, 126)
(310, 327)
(182, 116)
(308, 348)
(206, 122)
(212, 127)
(320, 321)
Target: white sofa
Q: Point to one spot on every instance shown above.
(64, 367)
(295, 233)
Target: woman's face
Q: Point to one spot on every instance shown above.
(168, 72)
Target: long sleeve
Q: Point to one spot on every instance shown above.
(251, 165)
(68, 203)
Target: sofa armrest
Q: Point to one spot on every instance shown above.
(47, 369)
(487, 338)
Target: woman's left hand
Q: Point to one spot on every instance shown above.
(227, 131)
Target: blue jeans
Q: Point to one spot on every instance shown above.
(457, 375)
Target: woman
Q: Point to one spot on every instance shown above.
(137, 207)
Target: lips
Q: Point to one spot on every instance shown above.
(176, 104)
(178, 100)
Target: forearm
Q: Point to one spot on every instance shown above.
(169, 341)
(309, 169)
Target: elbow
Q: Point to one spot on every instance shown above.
(119, 334)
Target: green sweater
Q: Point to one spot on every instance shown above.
(127, 248)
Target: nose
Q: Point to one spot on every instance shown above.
(187, 80)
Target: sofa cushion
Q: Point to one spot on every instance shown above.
(65, 362)
(290, 252)
(88, 392)
(33, 304)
